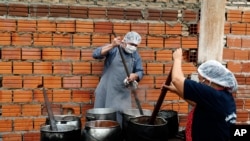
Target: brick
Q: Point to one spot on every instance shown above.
(51, 54)
(84, 26)
(234, 66)
(71, 54)
(39, 97)
(228, 53)
(115, 13)
(11, 53)
(164, 55)
(23, 124)
(72, 82)
(21, 10)
(31, 54)
(3, 9)
(5, 39)
(159, 80)
(65, 26)
(42, 68)
(103, 27)
(152, 94)
(189, 68)
(239, 103)
(12, 137)
(155, 42)
(174, 29)
(154, 14)
(90, 81)
(6, 125)
(59, 11)
(246, 103)
(121, 27)
(24, 39)
(78, 12)
(172, 42)
(248, 29)
(61, 95)
(97, 68)
(62, 40)
(97, 13)
(13, 110)
(133, 14)
(62, 68)
(82, 96)
(68, 109)
(189, 42)
(31, 110)
(8, 25)
(86, 55)
(241, 80)
(234, 15)
(6, 96)
(38, 122)
(169, 15)
(42, 39)
(245, 16)
(39, 10)
(100, 39)
(190, 15)
(52, 82)
(154, 68)
(246, 42)
(6, 67)
(238, 28)
(22, 67)
(12, 81)
(56, 109)
(156, 28)
(31, 81)
(141, 28)
(241, 55)
(147, 55)
(33, 136)
(227, 28)
(81, 68)
(22, 96)
(82, 41)
(245, 67)
(46, 26)
(234, 41)
(26, 25)
(242, 116)
(147, 82)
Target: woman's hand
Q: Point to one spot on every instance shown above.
(171, 87)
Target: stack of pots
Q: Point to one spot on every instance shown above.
(101, 125)
(69, 128)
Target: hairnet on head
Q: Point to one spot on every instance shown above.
(132, 37)
(215, 72)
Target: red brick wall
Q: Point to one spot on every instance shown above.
(52, 45)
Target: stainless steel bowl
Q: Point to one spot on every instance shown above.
(101, 114)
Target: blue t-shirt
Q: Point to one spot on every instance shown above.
(214, 113)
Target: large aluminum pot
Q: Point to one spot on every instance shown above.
(69, 120)
(102, 130)
(101, 114)
(131, 113)
(64, 133)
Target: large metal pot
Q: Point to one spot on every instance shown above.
(131, 113)
(64, 133)
(102, 130)
(69, 120)
(101, 114)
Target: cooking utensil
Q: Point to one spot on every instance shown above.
(161, 98)
(101, 114)
(133, 88)
(53, 126)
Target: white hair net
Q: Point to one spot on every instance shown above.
(215, 72)
(132, 37)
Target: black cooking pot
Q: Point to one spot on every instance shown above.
(69, 120)
(64, 133)
(101, 114)
(102, 130)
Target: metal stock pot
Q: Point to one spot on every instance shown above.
(101, 114)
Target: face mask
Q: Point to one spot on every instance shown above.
(130, 49)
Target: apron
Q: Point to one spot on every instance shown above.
(111, 91)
